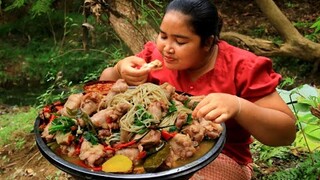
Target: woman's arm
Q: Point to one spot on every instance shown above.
(269, 120)
(110, 74)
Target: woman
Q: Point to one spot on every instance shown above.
(240, 87)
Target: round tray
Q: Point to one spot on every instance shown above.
(182, 172)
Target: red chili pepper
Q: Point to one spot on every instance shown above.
(141, 155)
(52, 117)
(78, 147)
(58, 108)
(46, 109)
(123, 145)
(167, 135)
(77, 151)
(82, 164)
(57, 103)
(96, 168)
(108, 120)
(106, 148)
(81, 140)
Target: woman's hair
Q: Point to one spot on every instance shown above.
(204, 17)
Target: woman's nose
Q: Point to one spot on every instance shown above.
(169, 49)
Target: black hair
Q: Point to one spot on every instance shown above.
(204, 17)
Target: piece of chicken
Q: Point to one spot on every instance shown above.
(195, 131)
(106, 117)
(181, 148)
(73, 102)
(90, 102)
(153, 65)
(45, 133)
(119, 86)
(212, 130)
(91, 154)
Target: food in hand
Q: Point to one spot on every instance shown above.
(153, 65)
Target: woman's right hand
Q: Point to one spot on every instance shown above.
(129, 70)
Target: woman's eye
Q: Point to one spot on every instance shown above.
(163, 37)
(181, 43)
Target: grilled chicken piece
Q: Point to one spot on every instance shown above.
(153, 65)
(45, 133)
(156, 109)
(195, 131)
(212, 130)
(119, 86)
(93, 155)
(90, 102)
(106, 117)
(181, 148)
(151, 139)
(72, 103)
(69, 150)
(131, 153)
(64, 138)
(169, 90)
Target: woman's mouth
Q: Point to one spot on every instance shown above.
(168, 59)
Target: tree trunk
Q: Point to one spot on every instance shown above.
(124, 22)
(295, 45)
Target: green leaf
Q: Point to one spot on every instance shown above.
(189, 119)
(312, 133)
(172, 108)
(15, 5)
(308, 118)
(62, 124)
(89, 136)
(310, 141)
(173, 129)
(316, 25)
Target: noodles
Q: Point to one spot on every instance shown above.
(140, 97)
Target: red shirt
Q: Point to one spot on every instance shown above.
(237, 72)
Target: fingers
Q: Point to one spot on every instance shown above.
(202, 108)
(217, 107)
(130, 70)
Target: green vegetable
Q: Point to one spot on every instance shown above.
(186, 102)
(62, 124)
(172, 108)
(155, 160)
(173, 128)
(189, 119)
(194, 105)
(140, 116)
(89, 136)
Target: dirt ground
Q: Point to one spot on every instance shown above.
(240, 16)
(27, 163)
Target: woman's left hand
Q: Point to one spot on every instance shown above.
(218, 107)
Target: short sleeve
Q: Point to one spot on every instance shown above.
(150, 52)
(256, 78)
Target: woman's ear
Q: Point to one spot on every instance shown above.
(209, 43)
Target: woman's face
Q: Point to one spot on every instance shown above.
(179, 45)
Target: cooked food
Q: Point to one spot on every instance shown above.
(148, 128)
(118, 164)
(102, 87)
(153, 65)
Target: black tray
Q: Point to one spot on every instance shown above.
(183, 172)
